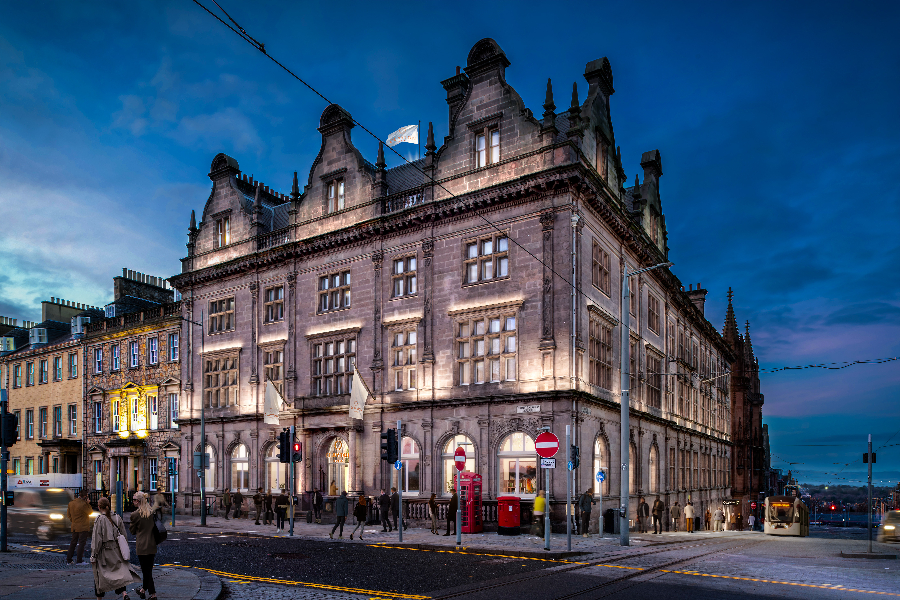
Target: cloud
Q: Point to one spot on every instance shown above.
(226, 129)
(864, 313)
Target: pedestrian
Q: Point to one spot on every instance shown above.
(433, 510)
(267, 508)
(141, 526)
(395, 505)
(359, 511)
(79, 515)
(540, 503)
(258, 503)
(585, 504)
(281, 506)
(111, 570)
(676, 515)
(733, 521)
(643, 514)
(340, 511)
(226, 502)
(739, 520)
(751, 522)
(317, 505)
(451, 513)
(719, 520)
(658, 509)
(689, 517)
(706, 519)
(384, 507)
(332, 489)
(238, 498)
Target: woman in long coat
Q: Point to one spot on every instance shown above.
(111, 570)
(141, 526)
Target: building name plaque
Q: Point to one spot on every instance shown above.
(529, 408)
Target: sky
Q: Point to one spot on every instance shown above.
(777, 123)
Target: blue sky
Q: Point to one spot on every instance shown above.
(777, 124)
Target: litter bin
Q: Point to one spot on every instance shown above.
(509, 517)
(611, 521)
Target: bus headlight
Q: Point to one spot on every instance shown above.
(888, 527)
(56, 516)
(94, 515)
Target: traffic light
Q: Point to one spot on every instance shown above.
(284, 446)
(296, 452)
(10, 428)
(575, 456)
(389, 445)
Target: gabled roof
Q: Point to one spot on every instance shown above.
(407, 176)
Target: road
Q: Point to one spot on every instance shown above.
(742, 565)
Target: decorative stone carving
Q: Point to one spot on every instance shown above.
(428, 247)
(501, 428)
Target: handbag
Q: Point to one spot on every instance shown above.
(122, 541)
(160, 533)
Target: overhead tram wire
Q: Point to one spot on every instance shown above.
(241, 32)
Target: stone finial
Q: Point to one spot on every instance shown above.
(193, 225)
(575, 103)
(295, 187)
(429, 141)
(379, 162)
(548, 100)
(637, 181)
(257, 203)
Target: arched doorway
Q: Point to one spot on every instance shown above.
(337, 459)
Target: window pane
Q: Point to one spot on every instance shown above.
(471, 251)
(464, 349)
(411, 337)
(495, 345)
(495, 369)
(412, 379)
(472, 272)
(487, 269)
(464, 373)
(463, 330)
(503, 267)
(479, 347)
(487, 247)
(495, 325)
(502, 244)
(511, 343)
(412, 263)
(510, 323)
(398, 266)
(510, 369)
(479, 327)
(479, 371)
(411, 284)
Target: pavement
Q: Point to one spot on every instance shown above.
(28, 572)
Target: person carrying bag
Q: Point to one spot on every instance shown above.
(109, 560)
(143, 526)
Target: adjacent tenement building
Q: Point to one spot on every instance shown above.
(41, 368)
(132, 384)
(477, 291)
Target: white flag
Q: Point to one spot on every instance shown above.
(358, 396)
(272, 405)
(408, 134)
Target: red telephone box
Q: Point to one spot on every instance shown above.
(470, 502)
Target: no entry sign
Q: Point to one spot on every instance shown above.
(460, 458)
(546, 445)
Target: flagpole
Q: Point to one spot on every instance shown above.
(419, 140)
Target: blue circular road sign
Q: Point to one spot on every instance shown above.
(398, 465)
(570, 465)
(601, 476)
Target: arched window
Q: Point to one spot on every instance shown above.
(600, 464)
(654, 470)
(274, 472)
(410, 457)
(338, 467)
(240, 469)
(518, 465)
(449, 467)
(210, 475)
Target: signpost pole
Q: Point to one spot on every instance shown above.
(547, 512)
(600, 479)
(569, 491)
(3, 478)
(291, 479)
(869, 487)
(458, 508)
(400, 481)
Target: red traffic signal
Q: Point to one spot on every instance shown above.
(296, 452)
(832, 507)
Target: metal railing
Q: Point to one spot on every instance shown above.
(276, 238)
(407, 200)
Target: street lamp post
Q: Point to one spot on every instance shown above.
(202, 466)
(624, 403)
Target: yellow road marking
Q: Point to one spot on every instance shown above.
(827, 586)
(380, 594)
(553, 560)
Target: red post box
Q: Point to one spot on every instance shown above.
(508, 515)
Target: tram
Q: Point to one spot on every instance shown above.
(786, 515)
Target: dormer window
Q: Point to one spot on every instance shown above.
(601, 160)
(335, 196)
(487, 154)
(223, 232)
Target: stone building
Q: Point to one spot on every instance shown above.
(477, 290)
(131, 388)
(750, 464)
(41, 371)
